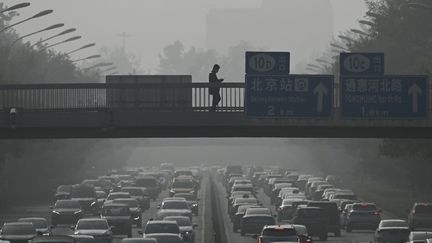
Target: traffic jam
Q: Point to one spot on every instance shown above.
(110, 208)
(280, 205)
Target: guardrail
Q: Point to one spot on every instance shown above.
(97, 96)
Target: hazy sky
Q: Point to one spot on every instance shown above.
(151, 24)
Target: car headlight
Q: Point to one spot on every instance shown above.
(108, 232)
(78, 212)
(55, 212)
(195, 205)
(93, 203)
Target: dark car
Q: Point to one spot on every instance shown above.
(278, 233)
(191, 200)
(140, 194)
(151, 183)
(253, 224)
(118, 217)
(41, 225)
(314, 220)
(19, 232)
(134, 208)
(86, 196)
(331, 213)
(63, 192)
(66, 212)
(236, 219)
(54, 239)
(420, 216)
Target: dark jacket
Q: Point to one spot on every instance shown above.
(213, 79)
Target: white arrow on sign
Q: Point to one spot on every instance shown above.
(415, 91)
(320, 90)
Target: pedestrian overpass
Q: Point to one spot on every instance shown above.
(101, 110)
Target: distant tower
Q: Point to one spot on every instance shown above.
(124, 36)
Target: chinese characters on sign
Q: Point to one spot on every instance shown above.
(289, 96)
(384, 97)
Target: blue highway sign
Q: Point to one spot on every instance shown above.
(388, 96)
(289, 96)
(267, 63)
(364, 64)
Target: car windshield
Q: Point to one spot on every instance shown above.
(168, 239)
(83, 192)
(345, 196)
(182, 184)
(113, 196)
(134, 191)
(423, 209)
(131, 203)
(246, 200)
(18, 229)
(175, 205)
(92, 224)
(37, 223)
(146, 182)
(181, 221)
(115, 211)
(162, 228)
(394, 224)
(64, 189)
(265, 211)
(67, 204)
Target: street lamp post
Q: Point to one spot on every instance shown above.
(43, 13)
(81, 48)
(87, 58)
(15, 7)
(64, 41)
(102, 64)
(37, 32)
(54, 36)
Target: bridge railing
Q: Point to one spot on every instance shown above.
(99, 96)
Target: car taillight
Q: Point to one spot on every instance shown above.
(376, 212)
(260, 240)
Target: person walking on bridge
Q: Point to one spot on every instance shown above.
(214, 91)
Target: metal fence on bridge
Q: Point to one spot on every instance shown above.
(100, 96)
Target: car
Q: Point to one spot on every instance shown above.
(313, 218)
(18, 232)
(86, 196)
(166, 238)
(66, 212)
(236, 219)
(419, 236)
(96, 227)
(119, 217)
(331, 213)
(161, 226)
(140, 194)
(117, 195)
(420, 216)
(258, 211)
(392, 231)
(151, 183)
(41, 225)
(278, 233)
(241, 201)
(191, 200)
(174, 208)
(183, 184)
(135, 210)
(286, 209)
(84, 238)
(139, 240)
(186, 227)
(253, 224)
(362, 216)
(63, 192)
(54, 239)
